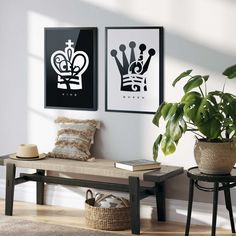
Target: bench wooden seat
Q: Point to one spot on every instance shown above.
(99, 168)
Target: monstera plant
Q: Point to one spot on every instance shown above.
(209, 115)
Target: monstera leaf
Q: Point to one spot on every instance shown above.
(192, 83)
(167, 145)
(191, 97)
(211, 128)
(230, 72)
(182, 75)
(158, 114)
(169, 110)
(156, 146)
(173, 127)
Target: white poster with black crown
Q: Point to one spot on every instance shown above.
(134, 69)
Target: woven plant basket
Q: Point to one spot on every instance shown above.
(215, 158)
(106, 218)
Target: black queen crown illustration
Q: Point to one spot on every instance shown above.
(69, 66)
(132, 72)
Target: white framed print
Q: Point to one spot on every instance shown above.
(134, 69)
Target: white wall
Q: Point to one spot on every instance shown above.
(199, 34)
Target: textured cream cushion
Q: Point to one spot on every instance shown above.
(74, 138)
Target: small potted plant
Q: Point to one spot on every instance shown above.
(209, 115)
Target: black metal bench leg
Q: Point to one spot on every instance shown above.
(190, 204)
(215, 205)
(229, 205)
(134, 190)
(10, 185)
(160, 201)
(40, 189)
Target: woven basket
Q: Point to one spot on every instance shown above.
(215, 158)
(106, 218)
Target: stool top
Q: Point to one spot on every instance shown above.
(195, 174)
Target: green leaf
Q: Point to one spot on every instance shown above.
(212, 99)
(194, 82)
(182, 75)
(199, 111)
(167, 145)
(183, 125)
(227, 122)
(232, 109)
(230, 72)
(205, 77)
(179, 113)
(190, 97)
(231, 130)
(228, 97)
(173, 129)
(156, 147)
(191, 108)
(202, 110)
(229, 105)
(165, 109)
(216, 93)
(211, 128)
(172, 111)
(169, 110)
(157, 115)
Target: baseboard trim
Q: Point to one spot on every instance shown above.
(74, 197)
(176, 210)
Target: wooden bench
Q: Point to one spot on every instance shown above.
(99, 168)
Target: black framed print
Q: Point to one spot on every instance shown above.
(134, 69)
(71, 68)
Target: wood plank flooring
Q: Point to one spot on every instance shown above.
(75, 218)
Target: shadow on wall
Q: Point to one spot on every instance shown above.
(80, 13)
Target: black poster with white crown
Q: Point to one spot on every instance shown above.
(134, 69)
(71, 68)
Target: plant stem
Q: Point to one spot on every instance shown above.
(201, 91)
(221, 98)
(205, 87)
(222, 91)
(224, 86)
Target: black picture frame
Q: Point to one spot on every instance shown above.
(128, 49)
(70, 68)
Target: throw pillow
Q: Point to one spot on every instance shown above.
(74, 138)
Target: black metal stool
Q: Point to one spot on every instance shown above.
(227, 182)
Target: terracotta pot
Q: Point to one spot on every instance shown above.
(215, 158)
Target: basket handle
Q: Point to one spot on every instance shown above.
(87, 194)
(125, 201)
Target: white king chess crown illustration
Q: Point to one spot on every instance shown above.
(69, 66)
(132, 72)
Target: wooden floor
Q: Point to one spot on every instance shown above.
(75, 218)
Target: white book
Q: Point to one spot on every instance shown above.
(140, 164)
